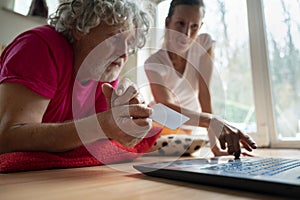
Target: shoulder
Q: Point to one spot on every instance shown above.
(50, 36)
(38, 40)
(205, 40)
(158, 57)
(46, 33)
(37, 58)
(39, 46)
(157, 62)
(28, 45)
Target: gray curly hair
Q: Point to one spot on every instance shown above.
(83, 15)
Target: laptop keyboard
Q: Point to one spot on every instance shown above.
(264, 166)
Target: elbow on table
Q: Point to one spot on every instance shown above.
(4, 144)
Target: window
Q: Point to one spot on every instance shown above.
(282, 21)
(232, 61)
(22, 6)
(257, 58)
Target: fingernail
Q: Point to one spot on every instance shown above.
(151, 110)
(119, 92)
(237, 155)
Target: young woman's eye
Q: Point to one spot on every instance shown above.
(181, 23)
(195, 26)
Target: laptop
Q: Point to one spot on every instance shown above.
(276, 176)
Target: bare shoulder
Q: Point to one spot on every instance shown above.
(205, 40)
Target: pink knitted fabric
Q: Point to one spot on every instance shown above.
(104, 152)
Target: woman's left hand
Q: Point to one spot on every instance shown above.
(231, 137)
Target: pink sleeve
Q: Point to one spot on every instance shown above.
(28, 61)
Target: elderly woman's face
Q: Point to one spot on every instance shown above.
(183, 27)
(106, 49)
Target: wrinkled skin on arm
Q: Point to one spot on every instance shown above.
(21, 127)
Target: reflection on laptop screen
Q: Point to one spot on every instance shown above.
(276, 176)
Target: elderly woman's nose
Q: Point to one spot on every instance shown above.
(124, 55)
(122, 48)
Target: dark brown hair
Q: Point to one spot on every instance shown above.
(175, 3)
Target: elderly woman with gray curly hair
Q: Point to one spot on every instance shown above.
(59, 83)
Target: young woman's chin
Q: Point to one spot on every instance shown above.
(179, 48)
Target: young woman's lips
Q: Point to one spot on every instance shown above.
(183, 42)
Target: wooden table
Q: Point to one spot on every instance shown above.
(118, 181)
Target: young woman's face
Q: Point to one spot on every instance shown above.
(183, 27)
(106, 48)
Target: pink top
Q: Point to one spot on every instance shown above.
(41, 59)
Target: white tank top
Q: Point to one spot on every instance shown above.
(185, 87)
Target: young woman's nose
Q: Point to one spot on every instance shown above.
(187, 31)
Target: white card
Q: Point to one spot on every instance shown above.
(167, 117)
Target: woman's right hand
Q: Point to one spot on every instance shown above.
(128, 120)
(127, 124)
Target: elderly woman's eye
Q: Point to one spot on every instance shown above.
(131, 43)
(132, 51)
(114, 38)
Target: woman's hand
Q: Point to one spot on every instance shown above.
(230, 137)
(126, 93)
(218, 152)
(127, 121)
(127, 124)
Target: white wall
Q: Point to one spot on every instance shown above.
(6, 3)
(12, 24)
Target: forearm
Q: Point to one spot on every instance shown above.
(204, 95)
(198, 119)
(39, 137)
(206, 105)
(49, 137)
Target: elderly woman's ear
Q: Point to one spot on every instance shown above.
(76, 35)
